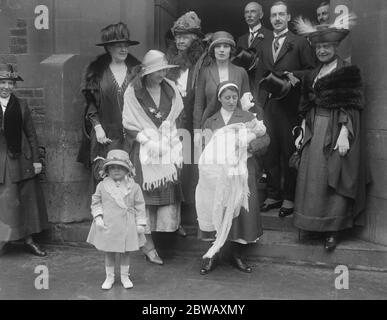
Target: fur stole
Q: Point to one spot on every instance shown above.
(95, 70)
(186, 59)
(342, 89)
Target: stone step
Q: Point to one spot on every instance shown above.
(271, 221)
(277, 246)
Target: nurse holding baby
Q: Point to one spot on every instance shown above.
(226, 195)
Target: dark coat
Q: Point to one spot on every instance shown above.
(342, 93)
(247, 225)
(186, 60)
(21, 168)
(296, 56)
(205, 94)
(93, 113)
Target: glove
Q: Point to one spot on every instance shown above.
(140, 229)
(198, 139)
(37, 167)
(153, 148)
(292, 79)
(99, 223)
(246, 101)
(101, 135)
(300, 138)
(342, 143)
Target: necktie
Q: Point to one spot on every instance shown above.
(251, 38)
(276, 42)
(1, 118)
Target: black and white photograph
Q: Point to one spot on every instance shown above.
(199, 152)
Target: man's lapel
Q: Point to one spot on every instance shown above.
(285, 47)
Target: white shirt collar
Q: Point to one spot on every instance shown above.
(4, 102)
(281, 33)
(256, 28)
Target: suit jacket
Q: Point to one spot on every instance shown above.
(22, 168)
(243, 41)
(296, 56)
(205, 93)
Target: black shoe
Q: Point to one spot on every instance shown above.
(267, 207)
(208, 265)
(331, 243)
(241, 265)
(285, 212)
(33, 248)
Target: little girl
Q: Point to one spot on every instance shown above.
(118, 209)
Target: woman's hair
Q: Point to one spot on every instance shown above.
(233, 89)
(211, 52)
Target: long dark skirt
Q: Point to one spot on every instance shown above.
(247, 227)
(23, 210)
(318, 207)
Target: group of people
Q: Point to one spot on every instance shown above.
(293, 111)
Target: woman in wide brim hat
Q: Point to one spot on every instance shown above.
(23, 211)
(103, 87)
(152, 106)
(218, 68)
(331, 183)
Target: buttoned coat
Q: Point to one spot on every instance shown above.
(22, 168)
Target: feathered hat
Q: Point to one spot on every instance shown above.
(188, 23)
(335, 32)
(7, 72)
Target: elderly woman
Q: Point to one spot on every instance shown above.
(185, 51)
(226, 195)
(219, 70)
(22, 207)
(331, 182)
(152, 107)
(103, 87)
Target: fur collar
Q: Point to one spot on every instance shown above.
(96, 68)
(342, 88)
(185, 60)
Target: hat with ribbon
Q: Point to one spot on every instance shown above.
(222, 37)
(278, 86)
(322, 33)
(120, 158)
(187, 23)
(153, 61)
(116, 33)
(7, 72)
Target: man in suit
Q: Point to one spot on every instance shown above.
(287, 55)
(253, 40)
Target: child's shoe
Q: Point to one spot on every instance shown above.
(109, 281)
(127, 284)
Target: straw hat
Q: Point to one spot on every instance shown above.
(187, 23)
(222, 37)
(116, 33)
(120, 158)
(153, 61)
(8, 73)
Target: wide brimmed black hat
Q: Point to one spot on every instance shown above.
(7, 72)
(278, 86)
(116, 33)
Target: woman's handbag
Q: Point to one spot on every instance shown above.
(295, 159)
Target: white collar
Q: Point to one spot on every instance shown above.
(4, 101)
(256, 28)
(331, 65)
(281, 33)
